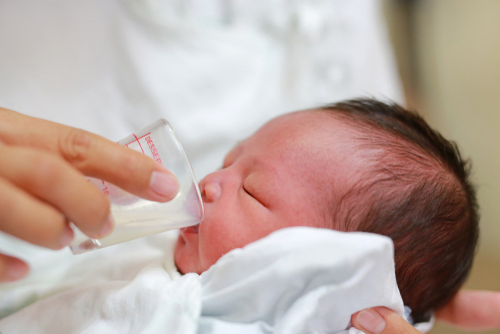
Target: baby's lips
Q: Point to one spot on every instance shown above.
(191, 229)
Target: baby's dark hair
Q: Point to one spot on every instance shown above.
(416, 190)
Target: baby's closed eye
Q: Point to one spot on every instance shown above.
(251, 191)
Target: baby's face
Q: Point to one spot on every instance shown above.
(284, 175)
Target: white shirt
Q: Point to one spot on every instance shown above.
(216, 69)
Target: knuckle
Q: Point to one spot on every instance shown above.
(137, 167)
(45, 171)
(131, 161)
(76, 146)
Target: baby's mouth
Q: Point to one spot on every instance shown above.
(190, 229)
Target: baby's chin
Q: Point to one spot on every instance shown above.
(186, 257)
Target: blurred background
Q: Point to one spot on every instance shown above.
(448, 54)
(112, 67)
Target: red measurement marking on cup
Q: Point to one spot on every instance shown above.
(151, 145)
(138, 142)
(153, 149)
(105, 190)
(137, 139)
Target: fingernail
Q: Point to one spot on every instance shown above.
(67, 236)
(16, 270)
(163, 184)
(371, 321)
(108, 227)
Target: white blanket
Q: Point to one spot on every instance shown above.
(296, 280)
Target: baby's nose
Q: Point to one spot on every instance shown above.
(212, 191)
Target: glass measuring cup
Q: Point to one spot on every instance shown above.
(136, 217)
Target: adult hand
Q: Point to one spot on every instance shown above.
(472, 310)
(381, 320)
(42, 183)
(468, 310)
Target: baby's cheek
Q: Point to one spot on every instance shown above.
(220, 241)
(225, 229)
(186, 257)
(213, 248)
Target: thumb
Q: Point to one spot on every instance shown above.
(381, 320)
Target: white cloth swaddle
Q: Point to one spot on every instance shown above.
(296, 280)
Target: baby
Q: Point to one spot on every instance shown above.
(358, 165)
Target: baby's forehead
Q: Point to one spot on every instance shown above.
(301, 138)
(311, 133)
(314, 145)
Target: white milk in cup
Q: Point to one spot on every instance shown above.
(136, 217)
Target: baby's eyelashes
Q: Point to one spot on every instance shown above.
(251, 194)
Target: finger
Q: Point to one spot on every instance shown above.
(54, 181)
(12, 269)
(93, 155)
(381, 320)
(472, 310)
(25, 217)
